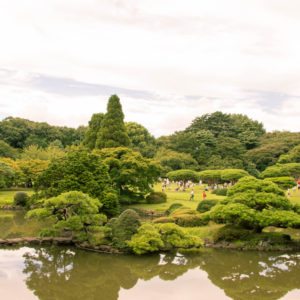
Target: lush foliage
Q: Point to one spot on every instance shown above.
(251, 202)
(279, 170)
(156, 197)
(172, 160)
(152, 238)
(140, 139)
(19, 133)
(91, 135)
(206, 205)
(73, 212)
(183, 175)
(81, 171)
(283, 182)
(132, 174)
(112, 132)
(124, 227)
(21, 199)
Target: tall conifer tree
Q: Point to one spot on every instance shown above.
(113, 131)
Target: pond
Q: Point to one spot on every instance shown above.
(66, 273)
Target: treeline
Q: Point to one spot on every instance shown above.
(211, 142)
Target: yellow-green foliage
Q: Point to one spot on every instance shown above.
(156, 237)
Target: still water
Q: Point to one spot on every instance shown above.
(59, 273)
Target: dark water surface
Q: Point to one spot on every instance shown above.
(59, 273)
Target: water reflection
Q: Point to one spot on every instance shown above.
(62, 273)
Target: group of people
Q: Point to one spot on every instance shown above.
(192, 197)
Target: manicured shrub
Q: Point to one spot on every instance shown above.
(220, 192)
(183, 175)
(283, 182)
(156, 197)
(206, 205)
(192, 220)
(175, 237)
(231, 233)
(146, 240)
(164, 220)
(183, 211)
(172, 207)
(21, 199)
(124, 227)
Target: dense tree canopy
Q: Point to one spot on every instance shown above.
(82, 171)
(141, 140)
(131, 173)
(19, 133)
(183, 175)
(254, 203)
(92, 131)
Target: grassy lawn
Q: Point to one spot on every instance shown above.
(178, 197)
(7, 197)
(295, 197)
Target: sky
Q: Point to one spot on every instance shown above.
(168, 60)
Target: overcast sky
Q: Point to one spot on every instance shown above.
(168, 60)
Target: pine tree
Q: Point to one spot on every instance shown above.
(113, 131)
(91, 134)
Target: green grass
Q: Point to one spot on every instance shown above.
(177, 197)
(7, 196)
(295, 197)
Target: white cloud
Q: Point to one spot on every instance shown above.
(214, 50)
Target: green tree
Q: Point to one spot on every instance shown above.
(141, 140)
(82, 171)
(113, 131)
(183, 175)
(251, 203)
(93, 130)
(73, 211)
(172, 160)
(279, 170)
(6, 150)
(132, 174)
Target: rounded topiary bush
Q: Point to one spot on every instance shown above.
(220, 192)
(172, 207)
(21, 199)
(156, 197)
(164, 220)
(192, 220)
(231, 233)
(124, 227)
(206, 205)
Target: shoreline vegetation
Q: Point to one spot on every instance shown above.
(223, 182)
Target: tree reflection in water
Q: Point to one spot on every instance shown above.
(63, 274)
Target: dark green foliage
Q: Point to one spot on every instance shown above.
(74, 212)
(291, 156)
(6, 150)
(156, 197)
(141, 140)
(91, 134)
(124, 227)
(171, 160)
(217, 140)
(173, 207)
(21, 199)
(210, 176)
(255, 204)
(283, 182)
(131, 173)
(7, 175)
(187, 220)
(231, 233)
(19, 133)
(271, 146)
(183, 175)
(220, 192)
(112, 132)
(206, 205)
(279, 170)
(81, 171)
(226, 175)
